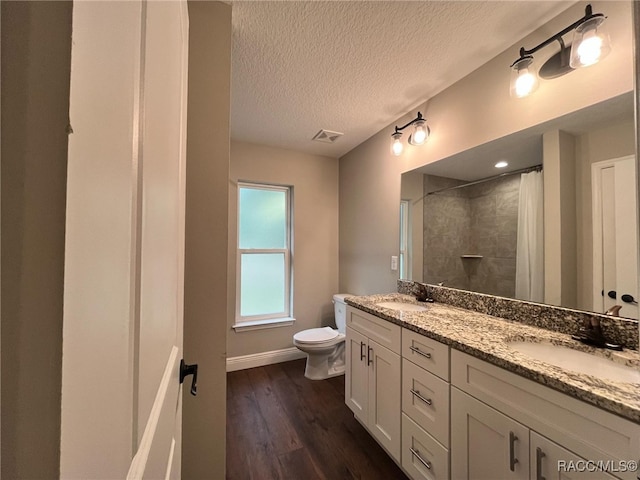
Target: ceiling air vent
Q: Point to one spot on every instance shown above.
(327, 136)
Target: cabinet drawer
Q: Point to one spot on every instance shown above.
(377, 329)
(425, 398)
(422, 455)
(426, 353)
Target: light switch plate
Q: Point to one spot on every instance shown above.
(394, 262)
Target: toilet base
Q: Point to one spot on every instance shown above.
(323, 366)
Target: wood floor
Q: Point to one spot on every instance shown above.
(280, 425)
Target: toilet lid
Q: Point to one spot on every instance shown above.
(316, 335)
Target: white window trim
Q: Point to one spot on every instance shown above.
(278, 319)
(261, 324)
(405, 247)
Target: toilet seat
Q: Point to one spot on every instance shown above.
(314, 336)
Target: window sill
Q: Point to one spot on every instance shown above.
(261, 324)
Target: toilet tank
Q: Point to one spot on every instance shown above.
(340, 309)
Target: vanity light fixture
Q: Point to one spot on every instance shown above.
(420, 134)
(590, 45)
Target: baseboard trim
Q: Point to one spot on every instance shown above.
(265, 358)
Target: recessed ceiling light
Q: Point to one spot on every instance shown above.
(501, 164)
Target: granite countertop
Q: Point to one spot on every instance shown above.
(486, 337)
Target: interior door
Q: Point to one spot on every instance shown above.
(124, 265)
(615, 233)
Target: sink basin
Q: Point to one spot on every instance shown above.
(577, 361)
(402, 307)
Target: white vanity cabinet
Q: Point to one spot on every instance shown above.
(372, 376)
(506, 426)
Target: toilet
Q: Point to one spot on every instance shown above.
(325, 346)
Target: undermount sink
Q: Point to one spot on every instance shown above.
(402, 307)
(577, 361)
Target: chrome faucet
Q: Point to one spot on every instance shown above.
(591, 331)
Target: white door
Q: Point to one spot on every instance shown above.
(124, 256)
(615, 225)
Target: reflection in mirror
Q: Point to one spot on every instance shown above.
(557, 225)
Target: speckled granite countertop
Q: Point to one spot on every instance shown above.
(486, 337)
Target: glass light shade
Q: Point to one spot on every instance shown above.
(396, 144)
(524, 79)
(591, 43)
(420, 133)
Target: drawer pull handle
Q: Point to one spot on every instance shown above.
(512, 454)
(416, 393)
(362, 355)
(539, 456)
(420, 352)
(416, 454)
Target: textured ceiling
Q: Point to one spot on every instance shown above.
(355, 67)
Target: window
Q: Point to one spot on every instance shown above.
(405, 272)
(264, 255)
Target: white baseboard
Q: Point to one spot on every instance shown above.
(265, 358)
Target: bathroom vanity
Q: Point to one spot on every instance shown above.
(449, 393)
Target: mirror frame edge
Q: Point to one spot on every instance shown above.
(636, 73)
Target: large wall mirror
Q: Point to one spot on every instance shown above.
(557, 225)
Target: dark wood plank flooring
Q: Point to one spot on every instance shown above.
(280, 425)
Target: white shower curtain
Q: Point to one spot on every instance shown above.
(530, 246)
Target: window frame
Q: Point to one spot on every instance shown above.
(284, 317)
(404, 265)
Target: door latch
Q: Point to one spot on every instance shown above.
(190, 370)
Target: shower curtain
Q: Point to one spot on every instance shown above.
(530, 247)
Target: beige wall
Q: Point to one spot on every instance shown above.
(36, 62)
(614, 141)
(473, 111)
(315, 239)
(559, 159)
(204, 416)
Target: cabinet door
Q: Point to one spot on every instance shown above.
(356, 374)
(549, 461)
(384, 397)
(485, 444)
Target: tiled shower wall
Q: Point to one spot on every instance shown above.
(477, 220)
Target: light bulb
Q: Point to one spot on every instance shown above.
(590, 43)
(590, 49)
(419, 134)
(524, 80)
(396, 145)
(524, 83)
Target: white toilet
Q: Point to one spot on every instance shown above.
(325, 346)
